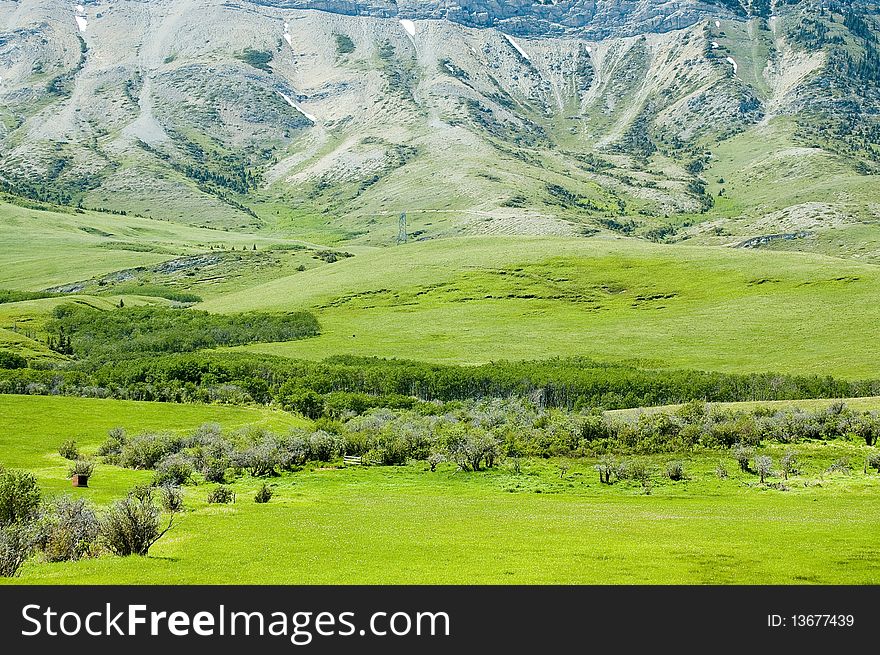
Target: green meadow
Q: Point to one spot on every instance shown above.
(405, 524)
(468, 301)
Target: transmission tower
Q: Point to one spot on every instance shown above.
(401, 229)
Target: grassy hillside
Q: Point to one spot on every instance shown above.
(44, 248)
(476, 300)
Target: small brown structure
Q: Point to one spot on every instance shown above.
(78, 480)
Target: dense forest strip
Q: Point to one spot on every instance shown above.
(85, 332)
(351, 384)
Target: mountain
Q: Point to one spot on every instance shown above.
(743, 124)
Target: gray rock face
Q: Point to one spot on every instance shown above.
(595, 19)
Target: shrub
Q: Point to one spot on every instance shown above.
(721, 471)
(293, 451)
(788, 464)
(264, 494)
(874, 461)
(632, 470)
(17, 544)
(116, 439)
(171, 498)
(434, 459)
(146, 450)
(260, 460)
(675, 471)
(841, 465)
(70, 530)
(763, 466)
(867, 426)
(324, 447)
(606, 468)
(173, 470)
(19, 497)
(221, 495)
(389, 450)
(743, 456)
(131, 525)
(214, 469)
(471, 450)
(10, 360)
(82, 467)
(69, 450)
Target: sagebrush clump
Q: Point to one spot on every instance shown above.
(264, 494)
(221, 495)
(132, 525)
(69, 450)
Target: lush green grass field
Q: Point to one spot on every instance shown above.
(475, 300)
(33, 427)
(407, 525)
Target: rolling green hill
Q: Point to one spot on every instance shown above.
(476, 300)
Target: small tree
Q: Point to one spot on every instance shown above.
(171, 498)
(788, 464)
(874, 461)
(743, 456)
(81, 467)
(173, 470)
(763, 466)
(605, 468)
(131, 526)
(434, 459)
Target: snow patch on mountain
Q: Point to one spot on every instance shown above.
(293, 104)
(518, 47)
(409, 26)
(733, 63)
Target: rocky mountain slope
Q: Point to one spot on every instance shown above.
(711, 121)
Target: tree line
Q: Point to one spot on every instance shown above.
(346, 384)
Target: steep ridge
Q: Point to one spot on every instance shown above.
(328, 120)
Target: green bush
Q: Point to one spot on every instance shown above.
(19, 497)
(145, 451)
(10, 360)
(743, 455)
(17, 543)
(82, 467)
(69, 450)
(675, 471)
(171, 498)
(344, 44)
(221, 495)
(112, 446)
(264, 494)
(131, 525)
(69, 530)
(173, 470)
